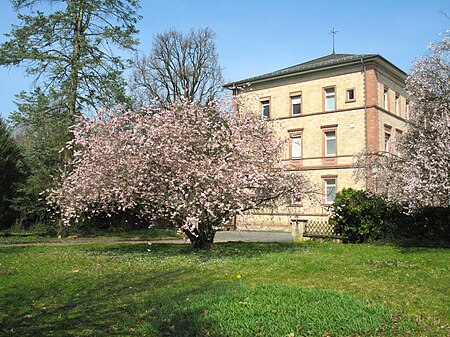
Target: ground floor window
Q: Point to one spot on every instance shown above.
(329, 190)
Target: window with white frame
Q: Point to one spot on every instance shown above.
(265, 107)
(397, 104)
(296, 146)
(350, 95)
(330, 143)
(296, 104)
(407, 110)
(330, 99)
(329, 190)
(387, 141)
(296, 200)
(385, 98)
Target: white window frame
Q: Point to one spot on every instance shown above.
(347, 95)
(398, 135)
(329, 183)
(407, 110)
(386, 98)
(327, 138)
(397, 104)
(296, 100)
(298, 137)
(296, 201)
(387, 141)
(265, 104)
(329, 92)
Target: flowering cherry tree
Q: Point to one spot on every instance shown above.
(420, 174)
(194, 166)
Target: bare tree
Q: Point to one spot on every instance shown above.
(179, 67)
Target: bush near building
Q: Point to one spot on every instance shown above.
(360, 216)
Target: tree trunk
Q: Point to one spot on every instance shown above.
(62, 230)
(75, 60)
(201, 237)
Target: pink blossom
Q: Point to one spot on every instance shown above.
(196, 166)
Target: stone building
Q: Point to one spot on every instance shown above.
(330, 109)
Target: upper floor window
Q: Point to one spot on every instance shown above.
(265, 107)
(350, 95)
(386, 98)
(296, 146)
(387, 141)
(407, 110)
(387, 138)
(330, 99)
(296, 105)
(330, 143)
(397, 104)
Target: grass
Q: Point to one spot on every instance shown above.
(278, 310)
(24, 237)
(285, 289)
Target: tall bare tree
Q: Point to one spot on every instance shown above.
(179, 67)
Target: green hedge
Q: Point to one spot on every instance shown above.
(360, 216)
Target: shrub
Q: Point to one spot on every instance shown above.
(360, 216)
(426, 225)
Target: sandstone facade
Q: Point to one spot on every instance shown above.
(329, 109)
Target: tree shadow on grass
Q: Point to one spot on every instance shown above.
(138, 302)
(126, 302)
(421, 250)
(110, 306)
(219, 250)
(414, 246)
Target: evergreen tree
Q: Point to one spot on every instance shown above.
(67, 47)
(42, 132)
(10, 175)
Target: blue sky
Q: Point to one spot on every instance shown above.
(258, 36)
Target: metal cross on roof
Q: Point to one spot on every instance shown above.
(334, 32)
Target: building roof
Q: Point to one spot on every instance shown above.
(321, 62)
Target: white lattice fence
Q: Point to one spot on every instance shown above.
(313, 229)
(319, 228)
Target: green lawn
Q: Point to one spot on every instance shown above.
(23, 237)
(287, 289)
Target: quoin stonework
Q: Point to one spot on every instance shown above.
(329, 109)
